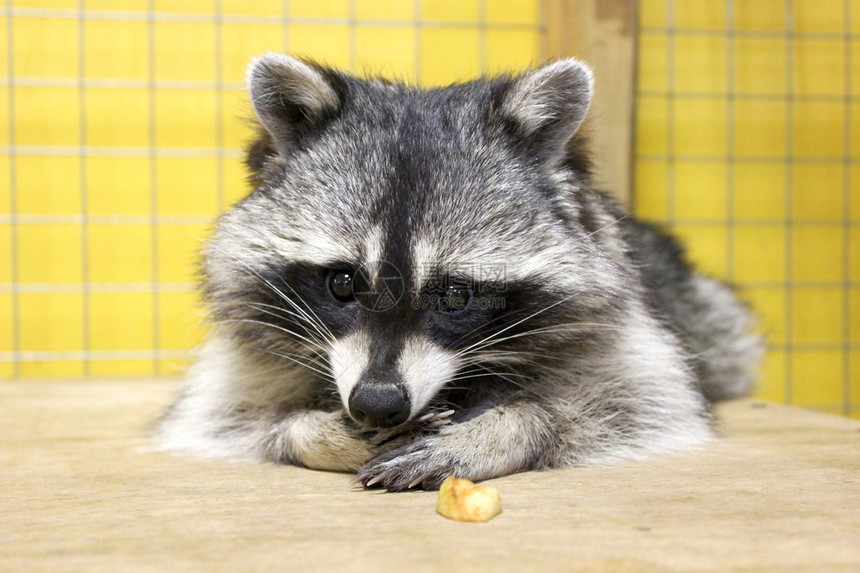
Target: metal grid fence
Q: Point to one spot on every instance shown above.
(121, 137)
(747, 145)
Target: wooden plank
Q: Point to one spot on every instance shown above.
(82, 490)
(603, 33)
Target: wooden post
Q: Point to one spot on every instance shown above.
(603, 33)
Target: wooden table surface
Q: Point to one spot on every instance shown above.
(82, 490)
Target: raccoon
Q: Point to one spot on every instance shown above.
(425, 283)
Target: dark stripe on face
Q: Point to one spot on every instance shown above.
(275, 306)
(402, 199)
(538, 319)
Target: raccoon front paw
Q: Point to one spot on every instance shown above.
(383, 440)
(419, 463)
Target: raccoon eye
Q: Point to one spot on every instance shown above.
(455, 299)
(340, 285)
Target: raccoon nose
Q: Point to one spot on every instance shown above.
(379, 405)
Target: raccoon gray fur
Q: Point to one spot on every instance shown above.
(424, 283)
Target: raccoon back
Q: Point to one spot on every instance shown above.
(712, 324)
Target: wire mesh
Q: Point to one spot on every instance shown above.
(122, 136)
(747, 147)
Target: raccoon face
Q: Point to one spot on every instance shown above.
(400, 239)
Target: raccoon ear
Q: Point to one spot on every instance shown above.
(290, 97)
(550, 103)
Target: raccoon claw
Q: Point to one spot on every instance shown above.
(435, 420)
(419, 480)
(434, 416)
(407, 467)
(368, 482)
(373, 481)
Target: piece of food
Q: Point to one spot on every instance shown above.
(462, 500)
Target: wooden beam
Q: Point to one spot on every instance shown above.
(603, 33)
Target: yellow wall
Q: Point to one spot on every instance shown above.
(121, 135)
(747, 146)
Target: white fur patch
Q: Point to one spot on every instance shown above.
(424, 254)
(425, 368)
(349, 357)
(196, 424)
(373, 245)
(316, 247)
(513, 260)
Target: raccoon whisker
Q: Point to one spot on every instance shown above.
(312, 338)
(503, 317)
(489, 322)
(314, 351)
(532, 315)
(504, 376)
(586, 325)
(321, 360)
(313, 318)
(309, 344)
(449, 403)
(321, 364)
(486, 373)
(530, 363)
(482, 363)
(508, 357)
(333, 393)
(325, 332)
(464, 374)
(569, 327)
(613, 223)
(310, 334)
(283, 313)
(469, 372)
(320, 354)
(258, 373)
(482, 368)
(514, 353)
(476, 363)
(322, 373)
(316, 320)
(248, 269)
(467, 376)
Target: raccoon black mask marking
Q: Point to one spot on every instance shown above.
(424, 283)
